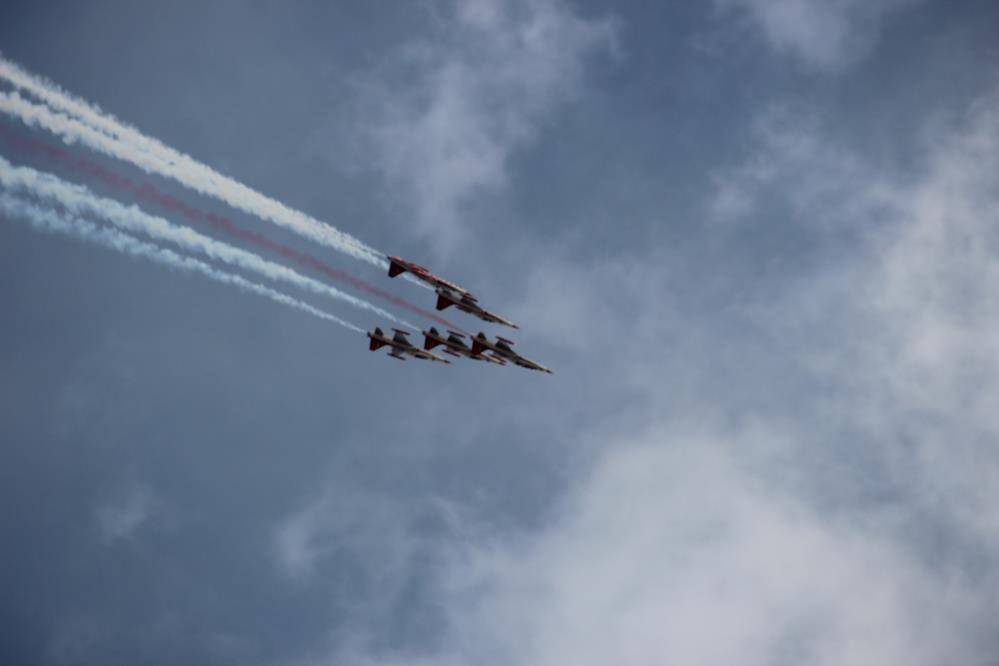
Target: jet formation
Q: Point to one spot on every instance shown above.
(499, 351)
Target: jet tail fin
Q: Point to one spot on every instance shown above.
(376, 343)
(443, 302)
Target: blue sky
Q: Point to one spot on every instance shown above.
(755, 240)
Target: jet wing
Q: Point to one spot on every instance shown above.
(531, 365)
(491, 358)
(496, 319)
(428, 356)
(400, 338)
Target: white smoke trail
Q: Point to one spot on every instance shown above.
(189, 173)
(81, 201)
(57, 98)
(53, 222)
(103, 133)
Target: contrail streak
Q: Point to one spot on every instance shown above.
(146, 192)
(189, 173)
(53, 222)
(113, 128)
(80, 201)
(104, 133)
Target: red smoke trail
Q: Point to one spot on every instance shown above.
(146, 192)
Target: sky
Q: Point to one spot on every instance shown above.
(756, 240)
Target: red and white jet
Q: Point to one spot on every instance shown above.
(468, 303)
(502, 348)
(455, 346)
(398, 266)
(400, 345)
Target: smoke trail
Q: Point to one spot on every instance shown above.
(111, 127)
(146, 192)
(53, 222)
(153, 157)
(80, 201)
(57, 98)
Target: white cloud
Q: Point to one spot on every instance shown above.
(368, 549)
(815, 179)
(824, 34)
(671, 553)
(342, 521)
(444, 117)
(120, 516)
(295, 540)
(855, 524)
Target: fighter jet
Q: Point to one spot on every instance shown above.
(400, 345)
(502, 348)
(468, 303)
(455, 346)
(398, 266)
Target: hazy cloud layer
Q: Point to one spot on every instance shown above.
(446, 112)
(769, 299)
(852, 526)
(119, 516)
(825, 35)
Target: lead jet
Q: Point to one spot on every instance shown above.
(455, 346)
(502, 348)
(400, 345)
(468, 303)
(398, 266)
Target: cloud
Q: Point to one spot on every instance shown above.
(825, 35)
(793, 167)
(850, 523)
(369, 550)
(339, 522)
(443, 116)
(671, 552)
(120, 516)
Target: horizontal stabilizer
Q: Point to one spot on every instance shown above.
(443, 302)
(375, 344)
(395, 268)
(430, 343)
